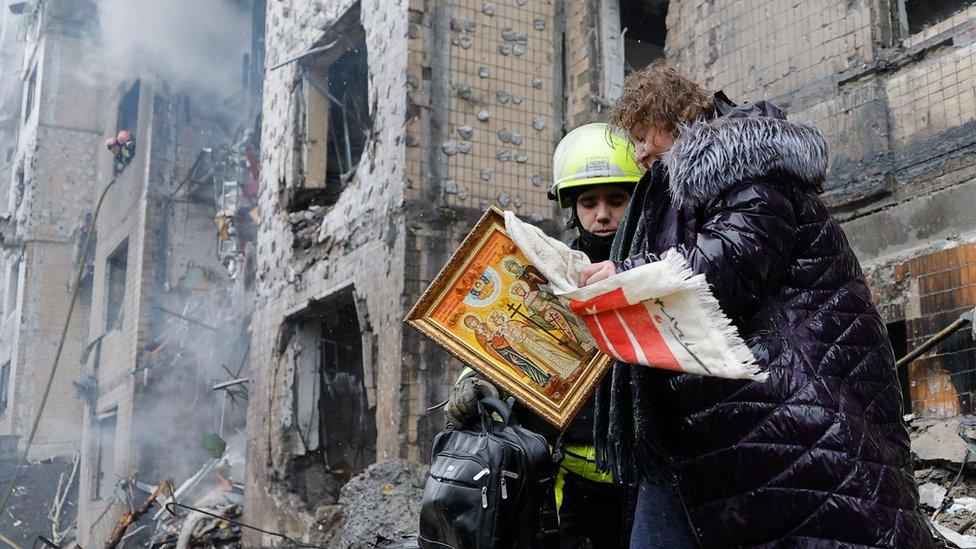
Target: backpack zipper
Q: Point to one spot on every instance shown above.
(508, 474)
(484, 489)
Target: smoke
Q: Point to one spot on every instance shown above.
(190, 45)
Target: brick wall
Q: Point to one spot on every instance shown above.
(769, 48)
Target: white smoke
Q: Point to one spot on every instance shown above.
(190, 45)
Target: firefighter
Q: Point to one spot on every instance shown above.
(595, 174)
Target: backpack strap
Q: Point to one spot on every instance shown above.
(549, 520)
(557, 449)
(489, 405)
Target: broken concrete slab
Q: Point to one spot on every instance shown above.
(931, 495)
(957, 540)
(937, 440)
(382, 504)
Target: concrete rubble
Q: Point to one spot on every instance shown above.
(381, 507)
(216, 488)
(945, 472)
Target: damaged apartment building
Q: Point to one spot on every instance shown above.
(152, 384)
(389, 127)
(169, 333)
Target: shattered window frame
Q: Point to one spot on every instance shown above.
(329, 433)
(634, 17)
(335, 120)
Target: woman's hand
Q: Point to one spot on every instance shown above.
(596, 272)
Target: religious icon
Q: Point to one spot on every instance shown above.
(492, 309)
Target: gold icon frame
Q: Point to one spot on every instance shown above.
(539, 352)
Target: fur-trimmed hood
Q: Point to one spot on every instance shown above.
(710, 156)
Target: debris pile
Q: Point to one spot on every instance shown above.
(215, 491)
(195, 529)
(945, 472)
(43, 502)
(380, 507)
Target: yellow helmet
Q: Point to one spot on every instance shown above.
(593, 154)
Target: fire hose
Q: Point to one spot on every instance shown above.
(57, 356)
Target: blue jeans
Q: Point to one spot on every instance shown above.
(660, 520)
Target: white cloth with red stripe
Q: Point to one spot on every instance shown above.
(660, 314)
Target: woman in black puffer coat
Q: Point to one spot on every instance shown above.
(817, 455)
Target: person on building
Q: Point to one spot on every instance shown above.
(815, 456)
(595, 173)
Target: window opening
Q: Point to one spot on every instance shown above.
(347, 424)
(336, 423)
(898, 335)
(349, 119)
(31, 90)
(105, 454)
(4, 387)
(128, 113)
(335, 120)
(13, 286)
(916, 15)
(644, 25)
(116, 266)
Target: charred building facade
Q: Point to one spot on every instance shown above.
(157, 348)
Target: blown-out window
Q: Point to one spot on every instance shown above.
(643, 23)
(105, 479)
(128, 115)
(29, 98)
(335, 112)
(115, 285)
(4, 387)
(335, 420)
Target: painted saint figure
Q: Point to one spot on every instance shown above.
(546, 310)
(498, 347)
(532, 343)
(526, 273)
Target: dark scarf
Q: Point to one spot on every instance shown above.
(596, 247)
(625, 432)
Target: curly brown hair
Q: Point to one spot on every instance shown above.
(659, 95)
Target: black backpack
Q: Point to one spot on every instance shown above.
(489, 487)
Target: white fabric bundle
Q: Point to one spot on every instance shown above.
(660, 314)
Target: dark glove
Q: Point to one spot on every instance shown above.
(462, 404)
